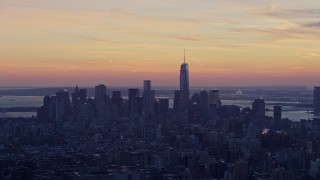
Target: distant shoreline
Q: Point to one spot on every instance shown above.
(43, 91)
(20, 109)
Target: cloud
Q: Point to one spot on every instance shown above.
(91, 38)
(305, 12)
(273, 11)
(187, 38)
(278, 22)
(312, 25)
(310, 55)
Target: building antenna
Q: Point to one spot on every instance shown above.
(184, 58)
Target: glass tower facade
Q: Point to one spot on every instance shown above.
(184, 78)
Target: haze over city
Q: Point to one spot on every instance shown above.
(120, 43)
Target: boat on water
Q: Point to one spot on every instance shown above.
(12, 100)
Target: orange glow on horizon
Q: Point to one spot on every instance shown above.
(121, 44)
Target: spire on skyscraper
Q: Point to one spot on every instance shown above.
(184, 76)
(184, 57)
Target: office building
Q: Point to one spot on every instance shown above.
(184, 77)
(47, 112)
(182, 96)
(316, 100)
(204, 102)
(79, 96)
(163, 107)
(277, 113)
(176, 101)
(63, 103)
(241, 170)
(148, 97)
(100, 95)
(75, 97)
(117, 100)
(214, 98)
(83, 96)
(136, 108)
(132, 93)
(194, 112)
(259, 108)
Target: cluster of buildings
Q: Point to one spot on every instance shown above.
(141, 136)
(316, 100)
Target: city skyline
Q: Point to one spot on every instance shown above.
(250, 43)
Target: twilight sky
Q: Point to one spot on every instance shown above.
(122, 42)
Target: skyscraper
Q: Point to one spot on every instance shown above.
(117, 100)
(214, 98)
(62, 102)
(47, 112)
(184, 86)
(176, 101)
(316, 100)
(184, 77)
(75, 97)
(259, 108)
(277, 113)
(204, 103)
(148, 97)
(147, 85)
(194, 112)
(83, 96)
(163, 106)
(100, 95)
(132, 93)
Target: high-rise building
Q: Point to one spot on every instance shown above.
(204, 102)
(184, 77)
(195, 98)
(163, 107)
(62, 102)
(176, 100)
(147, 85)
(83, 96)
(277, 113)
(117, 100)
(184, 87)
(194, 112)
(241, 170)
(116, 97)
(60, 109)
(132, 93)
(259, 108)
(316, 100)
(181, 101)
(100, 95)
(75, 97)
(214, 98)
(79, 96)
(47, 101)
(47, 112)
(148, 97)
(136, 106)
(64, 94)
